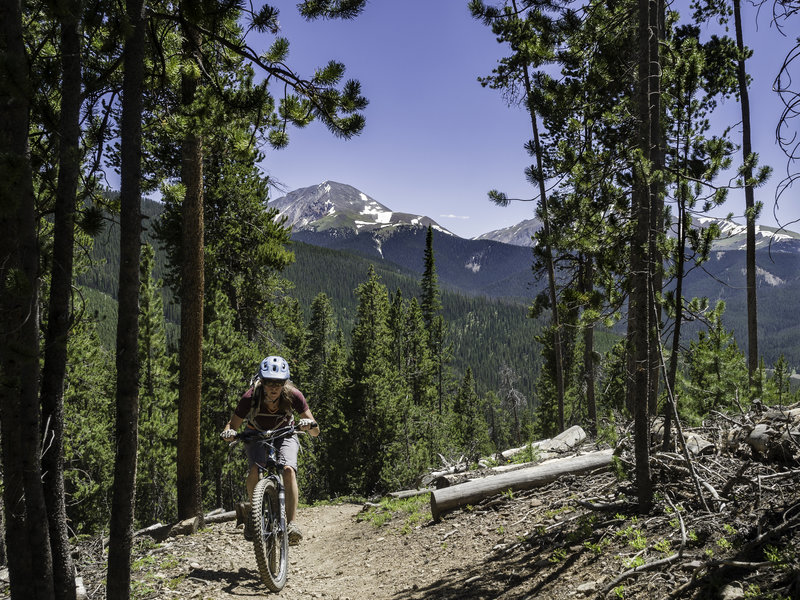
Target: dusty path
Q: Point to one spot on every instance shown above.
(340, 558)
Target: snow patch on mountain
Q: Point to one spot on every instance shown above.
(330, 206)
(520, 234)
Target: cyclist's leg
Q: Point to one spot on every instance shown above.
(256, 454)
(252, 480)
(292, 493)
(287, 451)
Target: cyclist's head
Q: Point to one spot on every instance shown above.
(273, 368)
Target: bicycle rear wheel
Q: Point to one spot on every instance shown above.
(270, 537)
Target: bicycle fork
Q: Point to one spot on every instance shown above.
(282, 503)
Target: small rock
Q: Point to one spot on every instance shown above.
(194, 565)
(731, 592)
(587, 588)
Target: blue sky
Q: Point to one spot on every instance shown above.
(436, 141)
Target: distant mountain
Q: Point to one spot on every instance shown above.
(341, 217)
(520, 234)
(338, 206)
(498, 263)
(733, 237)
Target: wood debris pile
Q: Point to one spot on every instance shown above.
(726, 514)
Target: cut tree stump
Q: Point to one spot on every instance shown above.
(474, 491)
(185, 527)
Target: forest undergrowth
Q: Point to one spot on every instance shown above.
(724, 524)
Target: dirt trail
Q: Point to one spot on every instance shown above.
(340, 558)
(544, 544)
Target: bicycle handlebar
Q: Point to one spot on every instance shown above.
(285, 431)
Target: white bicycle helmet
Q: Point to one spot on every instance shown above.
(274, 367)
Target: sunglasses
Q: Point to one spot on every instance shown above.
(273, 382)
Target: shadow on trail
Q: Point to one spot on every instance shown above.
(242, 582)
(521, 575)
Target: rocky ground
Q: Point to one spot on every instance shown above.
(580, 537)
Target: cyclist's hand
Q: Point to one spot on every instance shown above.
(306, 424)
(227, 434)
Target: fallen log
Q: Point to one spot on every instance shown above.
(771, 444)
(220, 517)
(566, 440)
(789, 414)
(408, 493)
(471, 492)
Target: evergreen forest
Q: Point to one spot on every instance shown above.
(129, 328)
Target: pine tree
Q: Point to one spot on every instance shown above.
(230, 360)
(431, 303)
(321, 331)
(417, 367)
(155, 484)
(377, 390)
(88, 429)
(470, 432)
(431, 307)
(332, 462)
(716, 371)
(127, 356)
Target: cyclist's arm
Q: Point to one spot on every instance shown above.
(306, 414)
(234, 423)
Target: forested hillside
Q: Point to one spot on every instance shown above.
(487, 334)
(475, 323)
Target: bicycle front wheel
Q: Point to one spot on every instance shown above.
(270, 537)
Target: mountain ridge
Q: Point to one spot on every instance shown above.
(498, 263)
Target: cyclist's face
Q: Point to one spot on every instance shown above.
(273, 388)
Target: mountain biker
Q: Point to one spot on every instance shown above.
(270, 403)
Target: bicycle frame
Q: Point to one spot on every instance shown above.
(268, 510)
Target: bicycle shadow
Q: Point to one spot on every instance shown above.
(241, 582)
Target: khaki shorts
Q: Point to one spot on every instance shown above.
(286, 450)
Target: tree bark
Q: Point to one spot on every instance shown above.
(750, 212)
(642, 309)
(127, 359)
(551, 274)
(587, 280)
(59, 315)
(192, 292)
(28, 545)
(471, 492)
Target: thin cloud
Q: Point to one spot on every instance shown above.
(463, 217)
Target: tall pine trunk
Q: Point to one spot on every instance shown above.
(548, 256)
(58, 322)
(192, 292)
(749, 199)
(29, 558)
(643, 311)
(127, 360)
(587, 283)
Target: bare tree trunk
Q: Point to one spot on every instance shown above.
(750, 211)
(29, 558)
(127, 419)
(59, 316)
(588, 349)
(643, 306)
(192, 292)
(551, 272)
(672, 370)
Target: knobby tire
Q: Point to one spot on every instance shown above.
(270, 537)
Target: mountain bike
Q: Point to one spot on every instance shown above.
(268, 509)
